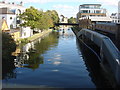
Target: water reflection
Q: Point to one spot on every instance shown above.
(28, 55)
(31, 54)
(63, 66)
(92, 63)
(66, 33)
(8, 68)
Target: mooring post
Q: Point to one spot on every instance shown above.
(118, 36)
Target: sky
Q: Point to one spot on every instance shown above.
(68, 8)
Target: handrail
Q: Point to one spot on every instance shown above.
(107, 49)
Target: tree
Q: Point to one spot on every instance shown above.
(72, 20)
(37, 19)
(54, 15)
(31, 17)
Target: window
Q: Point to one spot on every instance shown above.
(10, 17)
(97, 11)
(83, 15)
(85, 11)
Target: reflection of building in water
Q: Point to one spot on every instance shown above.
(26, 55)
(27, 47)
(21, 59)
(66, 33)
(17, 52)
(21, 55)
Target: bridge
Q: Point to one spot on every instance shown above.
(71, 24)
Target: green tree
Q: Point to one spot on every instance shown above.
(37, 19)
(54, 15)
(31, 17)
(72, 20)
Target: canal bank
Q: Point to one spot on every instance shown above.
(93, 41)
(35, 36)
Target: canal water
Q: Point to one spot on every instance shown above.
(52, 61)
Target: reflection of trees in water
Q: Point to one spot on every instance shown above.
(8, 46)
(8, 68)
(93, 66)
(33, 58)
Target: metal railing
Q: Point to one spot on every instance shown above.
(107, 50)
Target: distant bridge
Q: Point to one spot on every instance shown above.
(72, 24)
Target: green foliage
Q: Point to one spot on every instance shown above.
(72, 20)
(25, 40)
(37, 19)
(8, 46)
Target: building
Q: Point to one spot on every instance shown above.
(114, 17)
(3, 25)
(63, 19)
(119, 11)
(93, 12)
(26, 32)
(9, 16)
(11, 11)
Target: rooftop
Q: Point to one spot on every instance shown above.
(6, 11)
(90, 5)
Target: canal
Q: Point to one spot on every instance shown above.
(55, 60)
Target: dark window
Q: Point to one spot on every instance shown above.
(85, 11)
(18, 21)
(10, 17)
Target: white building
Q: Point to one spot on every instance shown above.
(119, 11)
(11, 11)
(93, 12)
(116, 16)
(26, 32)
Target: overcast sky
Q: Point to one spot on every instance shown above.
(68, 8)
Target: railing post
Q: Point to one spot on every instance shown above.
(118, 36)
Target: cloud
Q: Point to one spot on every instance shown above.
(66, 10)
(69, 9)
(31, 1)
(109, 2)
